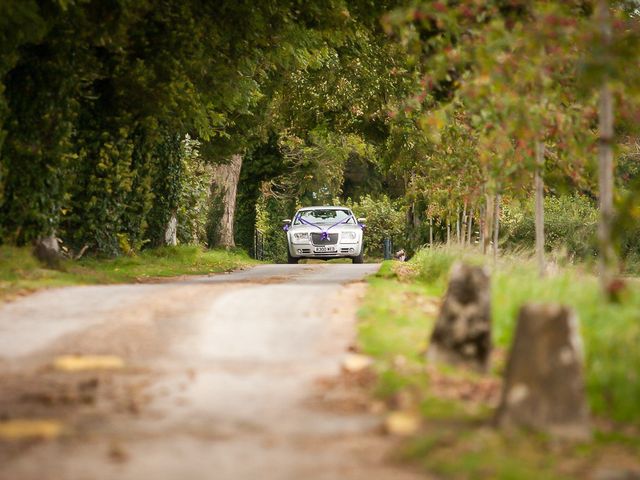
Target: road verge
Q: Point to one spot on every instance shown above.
(21, 273)
(455, 436)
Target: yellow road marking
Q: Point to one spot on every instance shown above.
(74, 363)
(18, 429)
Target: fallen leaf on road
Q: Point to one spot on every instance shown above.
(117, 453)
(354, 362)
(74, 363)
(19, 429)
(402, 423)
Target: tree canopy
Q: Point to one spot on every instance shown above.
(114, 114)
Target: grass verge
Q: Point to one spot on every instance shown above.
(21, 273)
(456, 439)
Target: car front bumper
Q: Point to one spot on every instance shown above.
(339, 250)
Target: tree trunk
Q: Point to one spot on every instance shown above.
(481, 226)
(224, 186)
(448, 233)
(416, 221)
(171, 232)
(458, 226)
(431, 232)
(488, 223)
(463, 235)
(496, 225)
(47, 250)
(539, 185)
(605, 158)
(470, 227)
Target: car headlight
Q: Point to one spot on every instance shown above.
(301, 236)
(349, 237)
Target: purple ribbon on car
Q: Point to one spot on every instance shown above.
(325, 232)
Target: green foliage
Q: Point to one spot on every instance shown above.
(270, 213)
(194, 196)
(440, 109)
(214, 213)
(385, 218)
(98, 200)
(35, 153)
(91, 92)
(570, 225)
(167, 185)
(260, 167)
(433, 265)
(393, 326)
(315, 166)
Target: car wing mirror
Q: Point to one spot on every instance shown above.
(286, 224)
(362, 220)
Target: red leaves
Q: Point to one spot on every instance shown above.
(439, 7)
(419, 15)
(466, 11)
(559, 21)
(616, 289)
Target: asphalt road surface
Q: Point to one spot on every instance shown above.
(232, 376)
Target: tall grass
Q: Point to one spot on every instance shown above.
(611, 331)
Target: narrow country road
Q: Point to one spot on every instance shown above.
(222, 377)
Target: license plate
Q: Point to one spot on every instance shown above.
(324, 249)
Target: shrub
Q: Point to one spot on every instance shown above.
(385, 218)
(570, 224)
(270, 212)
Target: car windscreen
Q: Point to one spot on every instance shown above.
(321, 216)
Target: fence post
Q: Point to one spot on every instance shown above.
(255, 244)
(388, 247)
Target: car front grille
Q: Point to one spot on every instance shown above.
(316, 239)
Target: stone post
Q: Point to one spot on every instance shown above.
(544, 386)
(462, 334)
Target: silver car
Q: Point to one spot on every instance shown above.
(325, 232)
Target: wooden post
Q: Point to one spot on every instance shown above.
(539, 214)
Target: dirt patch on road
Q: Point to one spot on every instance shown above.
(346, 393)
(139, 331)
